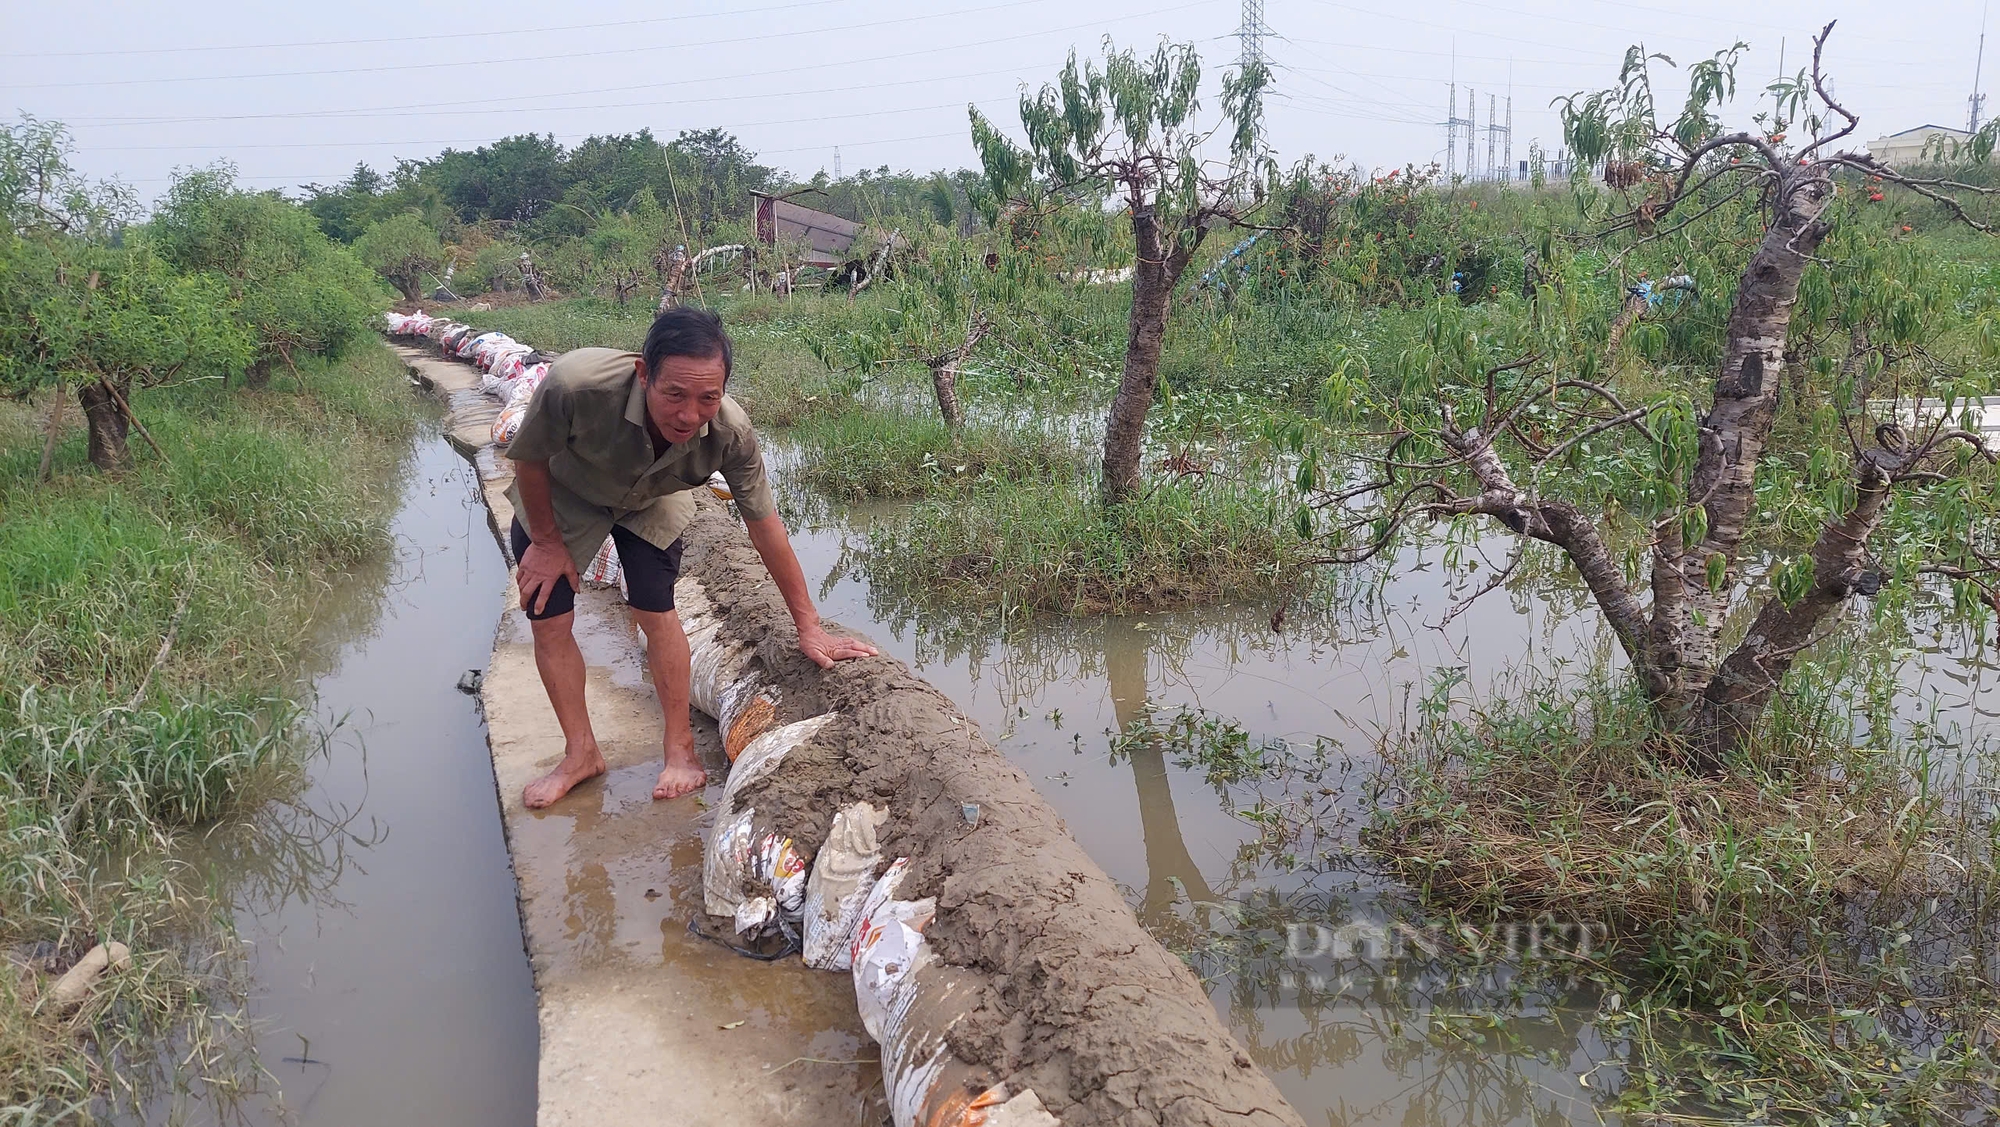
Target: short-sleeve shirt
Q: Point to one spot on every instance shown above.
(588, 421)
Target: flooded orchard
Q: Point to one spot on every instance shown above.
(1219, 764)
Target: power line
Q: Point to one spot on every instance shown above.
(540, 58)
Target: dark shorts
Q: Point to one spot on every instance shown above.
(649, 573)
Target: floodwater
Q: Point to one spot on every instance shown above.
(1355, 1028)
(389, 981)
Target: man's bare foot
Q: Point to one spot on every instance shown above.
(575, 768)
(683, 775)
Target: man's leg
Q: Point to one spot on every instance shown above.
(667, 656)
(650, 574)
(560, 663)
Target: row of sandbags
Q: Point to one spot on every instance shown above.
(834, 906)
(510, 371)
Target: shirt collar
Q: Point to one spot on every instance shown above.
(635, 407)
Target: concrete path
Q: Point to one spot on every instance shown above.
(641, 1023)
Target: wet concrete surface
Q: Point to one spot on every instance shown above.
(641, 1021)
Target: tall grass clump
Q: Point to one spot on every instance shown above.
(1809, 938)
(154, 627)
(1051, 545)
(867, 452)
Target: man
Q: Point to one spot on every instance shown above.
(612, 444)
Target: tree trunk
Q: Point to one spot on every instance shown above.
(108, 451)
(1735, 429)
(945, 367)
(1743, 687)
(407, 283)
(944, 377)
(1155, 270)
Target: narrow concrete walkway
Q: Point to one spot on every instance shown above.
(641, 1023)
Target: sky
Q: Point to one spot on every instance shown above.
(298, 93)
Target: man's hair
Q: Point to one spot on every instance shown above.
(686, 331)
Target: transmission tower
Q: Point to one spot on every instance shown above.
(1251, 35)
(1471, 134)
(836, 162)
(1492, 131)
(1507, 137)
(1978, 100)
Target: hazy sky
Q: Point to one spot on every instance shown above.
(293, 93)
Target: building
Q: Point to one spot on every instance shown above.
(1923, 144)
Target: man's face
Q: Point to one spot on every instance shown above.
(684, 394)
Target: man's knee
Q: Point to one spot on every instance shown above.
(659, 625)
(555, 628)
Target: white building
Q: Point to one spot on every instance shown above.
(1923, 144)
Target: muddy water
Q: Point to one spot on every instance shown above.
(1351, 1037)
(390, 982)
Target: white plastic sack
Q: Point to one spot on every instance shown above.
(507, 423)
(886, 952)
(604, 569)
(522, 388)
(842, 877)
(731, 855)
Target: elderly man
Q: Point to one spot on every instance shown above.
(612, 444)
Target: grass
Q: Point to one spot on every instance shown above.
(1051, 546)
(872, 452)
(1805, 939)
(153, 629)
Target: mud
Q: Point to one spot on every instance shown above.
(1060, 990)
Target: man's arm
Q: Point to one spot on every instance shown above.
(774, 545)
(547, 559)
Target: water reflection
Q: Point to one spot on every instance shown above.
(387, 981)
(1171, 873)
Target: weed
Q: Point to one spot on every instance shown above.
(152, 629)
(1051, 546)
(1801, 942)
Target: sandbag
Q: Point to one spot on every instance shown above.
(507, 424)
(522, 388)
(605, 569)
(909, 1000)
(842, 877)
(726, 686)
(737, 859)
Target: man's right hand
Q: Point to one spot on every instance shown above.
(541, 567)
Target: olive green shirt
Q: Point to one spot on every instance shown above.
(588, 421)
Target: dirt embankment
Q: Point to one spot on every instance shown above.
(1069, 996)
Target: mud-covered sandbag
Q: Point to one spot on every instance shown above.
(725, 685)
(740, 864)
(843, 874)
(909, 1000)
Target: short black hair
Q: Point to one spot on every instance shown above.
(686, 331)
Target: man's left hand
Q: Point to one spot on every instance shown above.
(825, 649)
